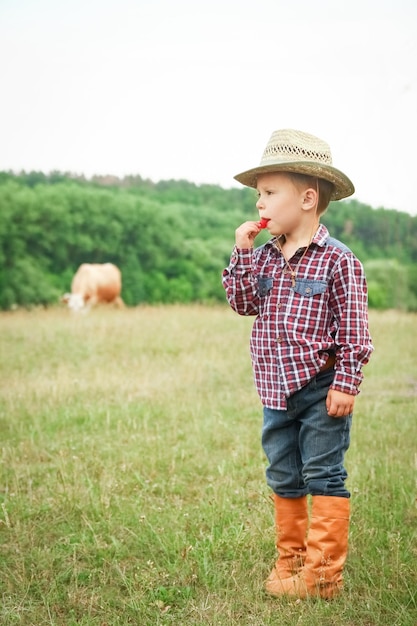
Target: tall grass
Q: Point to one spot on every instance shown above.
(132, 483)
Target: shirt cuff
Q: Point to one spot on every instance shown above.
(241, 258)
(346, 383)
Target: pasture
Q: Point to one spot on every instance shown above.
(132, 486)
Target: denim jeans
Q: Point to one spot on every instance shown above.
(305, 447)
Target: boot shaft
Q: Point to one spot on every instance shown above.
(291, 521)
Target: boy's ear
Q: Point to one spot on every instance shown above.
(310, 199)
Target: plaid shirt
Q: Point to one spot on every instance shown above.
(297, 325)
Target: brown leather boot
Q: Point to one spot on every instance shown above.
(291, 521)
(327, 547)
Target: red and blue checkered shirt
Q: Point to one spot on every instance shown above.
(297, 326)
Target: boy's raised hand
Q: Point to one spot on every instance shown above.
(246, 233)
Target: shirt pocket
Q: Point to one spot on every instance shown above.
(309, 288)
(264, 285)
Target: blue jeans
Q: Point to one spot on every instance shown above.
(305, 447)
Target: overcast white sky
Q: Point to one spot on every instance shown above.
(191, 89)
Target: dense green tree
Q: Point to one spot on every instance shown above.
(171, 239)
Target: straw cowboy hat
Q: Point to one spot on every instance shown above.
(294, 151)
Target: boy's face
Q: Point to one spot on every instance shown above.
(279, 201)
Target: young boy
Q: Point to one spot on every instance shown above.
(309, 342)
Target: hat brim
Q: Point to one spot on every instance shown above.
(343, 186)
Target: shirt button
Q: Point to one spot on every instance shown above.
(279, 339)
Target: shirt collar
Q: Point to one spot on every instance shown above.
(321, 236)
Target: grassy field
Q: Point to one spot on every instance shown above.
(132, 483)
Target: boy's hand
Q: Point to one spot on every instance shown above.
(339, 404)
(246, 233)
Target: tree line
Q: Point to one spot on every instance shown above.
(171, 239)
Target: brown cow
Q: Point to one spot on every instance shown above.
(94, 283)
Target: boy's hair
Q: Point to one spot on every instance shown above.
(324, 188)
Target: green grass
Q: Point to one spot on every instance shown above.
(132, 483)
